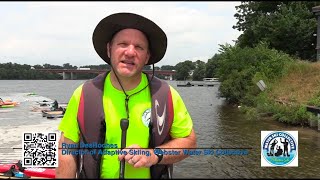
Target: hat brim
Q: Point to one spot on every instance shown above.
(112, 24)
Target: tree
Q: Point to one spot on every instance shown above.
(183, 69)
(240, 68)
(248, 12)
(157, 68)
(211, 66)
(17, 71)
(287, 26)
(167, 67)
(68, 66)
(200, 71)
(37, 66)
(147, 67)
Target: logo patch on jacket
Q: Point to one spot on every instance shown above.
(146, 117)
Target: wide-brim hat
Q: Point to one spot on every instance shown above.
(112, 24)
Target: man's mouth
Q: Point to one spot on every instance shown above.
(128, 62)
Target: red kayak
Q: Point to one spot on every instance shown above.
(8, 102)
(33, 172)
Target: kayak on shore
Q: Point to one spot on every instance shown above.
(7, 106)
(53, 114)
(8, 103)
(16, 170)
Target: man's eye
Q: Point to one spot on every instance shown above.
(122, 44)
(139, 47)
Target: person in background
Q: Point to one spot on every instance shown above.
(55, 105)
(156, 117)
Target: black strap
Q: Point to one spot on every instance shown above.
(19, 164)
(10, 172)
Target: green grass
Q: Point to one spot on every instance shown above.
(288, 97)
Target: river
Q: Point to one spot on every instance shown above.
(217, 125)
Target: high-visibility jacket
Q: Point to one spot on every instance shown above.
(92, 126)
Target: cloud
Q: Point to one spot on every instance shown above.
(61, 32)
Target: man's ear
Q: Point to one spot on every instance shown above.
(108, 49)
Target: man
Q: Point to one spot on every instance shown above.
(55, 105)
(157, 118)
(285, 145)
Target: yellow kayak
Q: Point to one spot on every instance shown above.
(7, 105)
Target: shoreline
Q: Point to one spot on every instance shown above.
(21, 119)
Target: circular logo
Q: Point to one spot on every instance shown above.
(146, 117)
(279, 148)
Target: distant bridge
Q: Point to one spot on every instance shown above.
(71, 73)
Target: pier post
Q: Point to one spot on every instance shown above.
(73, 76)
(66, 75)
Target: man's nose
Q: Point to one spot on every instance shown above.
(130, 51)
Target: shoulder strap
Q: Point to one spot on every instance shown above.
(90, 103)
(161, 121)
(92, 125)
(161, 112)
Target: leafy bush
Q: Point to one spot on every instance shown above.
(250, 113)
(240, 68)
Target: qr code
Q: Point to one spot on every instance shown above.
(40, 149)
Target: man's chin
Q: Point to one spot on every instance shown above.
(127, 73)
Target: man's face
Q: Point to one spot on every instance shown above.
(129, 52)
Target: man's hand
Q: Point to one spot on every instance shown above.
(145, 158)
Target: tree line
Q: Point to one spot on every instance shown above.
(13, 71)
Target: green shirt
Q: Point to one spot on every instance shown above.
(138, 131)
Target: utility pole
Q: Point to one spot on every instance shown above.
(316, 11)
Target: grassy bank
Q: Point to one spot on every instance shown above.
(301, 84)
(292, 84)
(287, 97)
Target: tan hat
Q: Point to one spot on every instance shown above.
(112, 24)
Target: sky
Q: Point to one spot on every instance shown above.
(61, 32)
